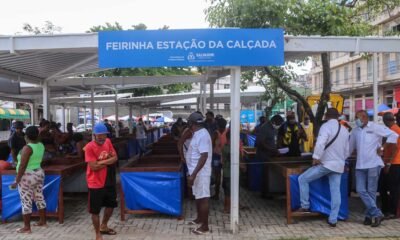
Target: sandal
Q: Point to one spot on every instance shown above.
(38, 224)
(109, 231)
(192, 223)
(197, 231)
(23, 230)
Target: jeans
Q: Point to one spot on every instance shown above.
(315, 173)
(367, 185)
(142, 145)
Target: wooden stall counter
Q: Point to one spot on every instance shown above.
(62, 167)
(287, 166)
(158, 164)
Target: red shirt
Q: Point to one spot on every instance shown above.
(95, 152)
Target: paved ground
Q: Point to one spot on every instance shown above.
(264, 220)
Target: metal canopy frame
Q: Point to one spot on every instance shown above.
(40, 59)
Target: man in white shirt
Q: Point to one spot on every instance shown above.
(141, 137)
(198, 159)
(366, 138)
(331, 151)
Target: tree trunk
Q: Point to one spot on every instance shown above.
(292, 92)
(326, 90)
(268, 109)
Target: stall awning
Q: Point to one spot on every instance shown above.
(10, 113)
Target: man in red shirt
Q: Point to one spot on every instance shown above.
(100, 175)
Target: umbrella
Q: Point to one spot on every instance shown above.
(383, 107)
(392, 110)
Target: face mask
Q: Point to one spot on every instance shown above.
(276, 126)
(359, 123)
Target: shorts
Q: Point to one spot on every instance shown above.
(226, 185)
(201, 187)
(102, 197)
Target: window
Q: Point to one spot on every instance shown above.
(337, 77)
(346, 75)
(368, 95)
(358, 72)
(226, 86)
(396, 28)
(186, 107)
(227, 106)
(370, 69)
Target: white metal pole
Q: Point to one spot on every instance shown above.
(204, 98)
(84, 118)
(375, 86)
(92, 106)
(46, 110)
(212, 96)
(235, 138)
(63, 117)
(116, 114)
(130, 121)
(33, 113)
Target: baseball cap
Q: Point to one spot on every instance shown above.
(196, 117)
(100, 128)
(332, 112)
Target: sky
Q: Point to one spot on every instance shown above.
(75, 16)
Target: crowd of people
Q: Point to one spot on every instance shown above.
(204, 147)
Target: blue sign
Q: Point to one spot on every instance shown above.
(247, 116)
(201, 47)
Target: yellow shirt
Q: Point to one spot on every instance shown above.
(309, 144)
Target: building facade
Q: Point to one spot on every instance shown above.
(352, 74)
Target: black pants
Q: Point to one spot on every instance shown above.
(394, 187)
(384, 183)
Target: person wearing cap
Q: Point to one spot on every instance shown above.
(101, 179)
(392, 167)
(198, 159)
(17, 140)
(331, 151)
(12, 128)
(290, 135)
(366, 139)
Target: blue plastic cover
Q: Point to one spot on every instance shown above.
(9, 159)
(251, 140)
(320, 195)
(158, 191)
(11, 201)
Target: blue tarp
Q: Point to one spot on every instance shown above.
(320, 196)
(158, 191)
(12, 204)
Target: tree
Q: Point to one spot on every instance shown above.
(298, 17)
(171, 88)
(48, 28)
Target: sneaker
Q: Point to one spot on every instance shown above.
(377, 221)
(330, 224)
(367, 221)
(302, 210)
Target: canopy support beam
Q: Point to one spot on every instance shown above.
(116, 114)
(46, 109)
(375, 86)
(235, 138)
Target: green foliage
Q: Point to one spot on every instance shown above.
(173, 71)
(48, 28)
